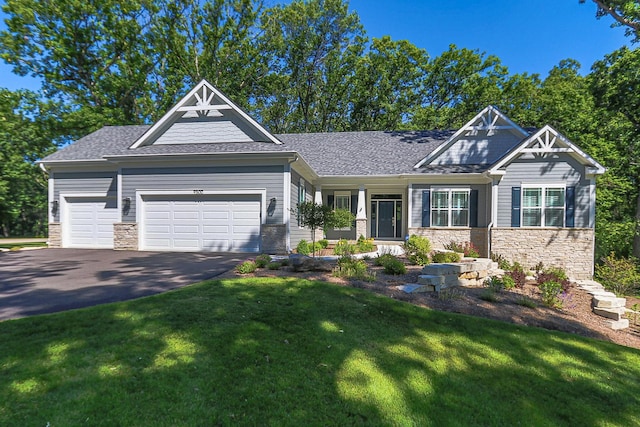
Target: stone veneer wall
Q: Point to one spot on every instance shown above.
(568, 248)
(125, 236)
(440, 237)
(361, 228)
(55, 235)
(274, 239)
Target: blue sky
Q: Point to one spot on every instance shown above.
(527, 35)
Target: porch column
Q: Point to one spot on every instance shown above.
(317, 198)
(361, 214)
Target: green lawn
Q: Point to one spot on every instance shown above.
(294, 352)
(22, 245)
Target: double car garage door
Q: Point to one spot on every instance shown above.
(224, 223)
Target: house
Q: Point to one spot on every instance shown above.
(208, 177)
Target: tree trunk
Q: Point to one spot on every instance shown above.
(636, 236)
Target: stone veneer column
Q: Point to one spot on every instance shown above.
(567, 248)
(274, 239)
(125, 236)
(55, 235)
(361, 228)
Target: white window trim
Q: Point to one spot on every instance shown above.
(450, 209)
(346, 194)
(543, 208)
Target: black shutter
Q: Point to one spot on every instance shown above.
(330, 201)
(515, 206)
(354, 209)
(570, 212)
(473, 208)
(426, 208)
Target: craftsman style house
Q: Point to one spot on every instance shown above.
(208, 177)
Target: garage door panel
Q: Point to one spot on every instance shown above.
(202, 222)
(90, 222)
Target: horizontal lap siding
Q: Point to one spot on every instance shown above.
(562, 170)
(297, 233)
(84, 182)
(222, 178)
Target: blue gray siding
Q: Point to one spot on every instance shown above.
(484, 202)
(84, 182)
(219, 178)
(563, 169)
(296, 232)
(203, 130)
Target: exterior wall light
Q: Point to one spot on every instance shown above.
(126, 205)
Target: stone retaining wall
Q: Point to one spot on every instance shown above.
(125, 236)
(274, 239)
(568, 248)
(55, 235)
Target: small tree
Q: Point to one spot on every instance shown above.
(314, 216)
(340, 219)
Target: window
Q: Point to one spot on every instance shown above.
(450, 208)
(543, 206)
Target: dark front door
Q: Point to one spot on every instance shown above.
(386, 211)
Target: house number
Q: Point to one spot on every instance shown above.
(198, 191)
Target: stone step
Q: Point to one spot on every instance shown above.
(447, 269)
(608, 302)
(411, 288)
(610, 313)
(602, 294)
(430, 279)
(616, 325)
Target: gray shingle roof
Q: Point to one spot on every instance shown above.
(329, 154)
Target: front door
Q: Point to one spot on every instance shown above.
(386, 216)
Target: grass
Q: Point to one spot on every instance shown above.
(22, 245)
(291, 352)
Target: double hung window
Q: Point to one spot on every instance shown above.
(450, 208)
(543, 206)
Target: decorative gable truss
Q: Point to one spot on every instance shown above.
(545, 143)
(205, 115)
(482, 140)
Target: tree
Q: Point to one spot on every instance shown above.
(27, 129)
(315, 216)
(625, 12)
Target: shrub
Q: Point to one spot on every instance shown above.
(525, 301)
(303, 248)
(284, 262)
(352, 268)
(394, 266)
(489, 295)
(508, 282)
(323, 243)
(262, 260)
(343, 247)
(518, 275)
(450, 294)
(417, 249)
(466, 248)
(619, 275)
(365, 245)
(274, 266)
(550, 293)
(382, 259)
(494, 283)
(553, 274)
(246, 267)
(445, 257)
(501, 260)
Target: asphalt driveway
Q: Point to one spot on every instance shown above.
(51, 280)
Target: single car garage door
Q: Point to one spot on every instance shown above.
(90, 222)
(218, 223)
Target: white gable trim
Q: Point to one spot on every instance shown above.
(546, 141)
(203, 104)
(484, 120)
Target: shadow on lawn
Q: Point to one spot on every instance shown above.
(289, 352)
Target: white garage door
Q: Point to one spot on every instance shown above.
(218, 223)
(90, 222)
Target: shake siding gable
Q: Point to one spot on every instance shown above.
(222, 178)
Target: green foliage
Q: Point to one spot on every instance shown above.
(550, 293)
(445, 257)
(262, 260)
(417, 249)
(525, 301)
(489, 295)
(503, 263)
(303, 248)
(365, 245)
(517, 274)
(466, 248)
(352, 268)
(340, 218)
(246, 267)
(495, 284)
(274, 266)
(314, 216)
(323, 243)
(619, 275)
(391, 264)
(508, 282)
(343, 247)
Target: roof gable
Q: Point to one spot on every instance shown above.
(547, 142)
(204, 115)
(482, 140)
